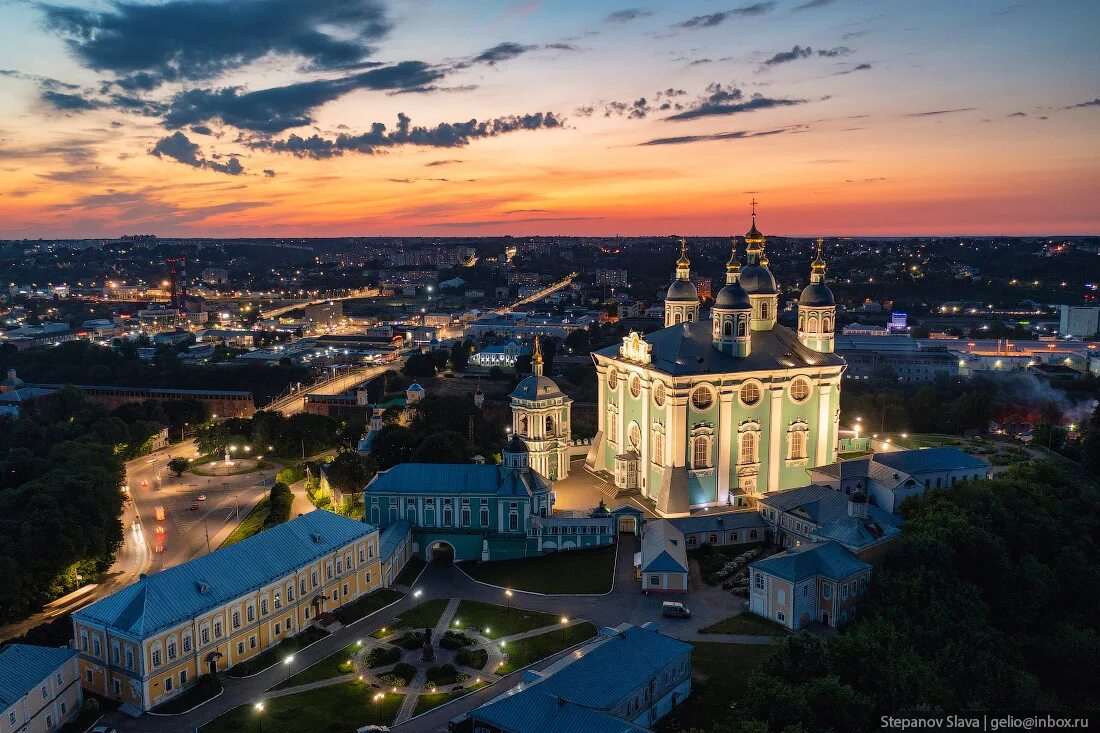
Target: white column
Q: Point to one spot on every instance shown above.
(725, 443)
(775, 442)
(621, 391)
(823, 421)
(676, 431)
(645, 462)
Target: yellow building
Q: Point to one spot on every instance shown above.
(39, 688)
(147, 642)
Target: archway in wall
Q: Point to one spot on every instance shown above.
(442, 552)
(628, 524)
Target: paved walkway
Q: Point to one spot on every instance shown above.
(623, 603)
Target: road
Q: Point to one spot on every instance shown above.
(185, 531)
(360, 293)
(548, 290)
(295, 403)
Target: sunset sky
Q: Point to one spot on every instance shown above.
(463, 117)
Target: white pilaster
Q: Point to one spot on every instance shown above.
(725, 445)
(775, 442)
(646, 459)
(824, 390)
(601, 399)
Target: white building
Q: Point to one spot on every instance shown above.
(1082, 321)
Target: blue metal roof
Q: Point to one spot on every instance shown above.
(454, 479)
(719, 522)
(943, 458)
(172, 596)
(392, 537)
(574, 692)
(800, 563)
(24, 667)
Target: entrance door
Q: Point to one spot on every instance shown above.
(825, 617)
(628, 524)
(443, 553)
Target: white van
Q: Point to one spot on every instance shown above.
(675, 609)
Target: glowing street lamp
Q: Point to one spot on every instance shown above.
(564, 625)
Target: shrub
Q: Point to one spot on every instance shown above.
(411, 640)
(445, 674)
(291, 475)
(455, 640)
(280, 501)
(405, 671)
(473, 658)
(380, 656)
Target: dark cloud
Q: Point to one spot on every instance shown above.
(437, 163)
(1016, 114)
(938, 112)
(281, 108)
(734, 135)
(636, 110)
(813, 4)
(446, 135)
(179, 147)
(509, 50)
(1082, 105)
(66, 102)
(712, 19)
(834, 52)
(147, 44)
(866, 180)
(858, 67)
(723, 100)
(202, 129)
(268, 173)
(783, 57)
(584, 110)
(626, 15)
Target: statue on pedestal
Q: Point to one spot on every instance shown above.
(428, 653)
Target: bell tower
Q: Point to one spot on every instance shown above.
(817, 309)
(682, 299)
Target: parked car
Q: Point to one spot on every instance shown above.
(194, 506)
(675, 609)
(103, 729)
(202, 497)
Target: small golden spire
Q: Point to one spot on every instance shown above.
(536, 358)
(683, 263)
(817, 267)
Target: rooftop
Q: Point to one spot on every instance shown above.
(828, 559)
(23, 668)
(167, 598)
(686, 349)
(719, 522)
(663, 548)
(452, 479)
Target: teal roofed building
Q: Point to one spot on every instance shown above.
(822, 582)
(149, 641)
(39, 688)
(624, 682)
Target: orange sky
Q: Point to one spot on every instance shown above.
(973, 120)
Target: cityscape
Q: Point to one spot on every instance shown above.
(465, 368)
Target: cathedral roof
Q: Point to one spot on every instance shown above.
(816, 294)
(537, 387)
(758, 280)
(682, 290)
(732, 297)
(515, 445)
(686, 349)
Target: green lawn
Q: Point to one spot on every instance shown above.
(342, 707)
(411, 570)
(420, 616)
(571, 571)
(497, 621)
(525, 651)
(430, 700)
(366, 605)
(718, 676)
(745, 623)
(251, 524)
(331, 666)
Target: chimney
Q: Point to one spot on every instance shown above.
(857, 505)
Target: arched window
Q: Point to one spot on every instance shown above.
(813, 324)
(523, 425)
(741, 327)
(827, 325)
(700, 452)
(659, 449)
(765, 311)
(678, 318)
(802, 323)
(727, 329)
(748, 448)
(549, 424)
(613, 428)
(797, 445)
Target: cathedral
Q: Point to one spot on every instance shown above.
(713, 414)
(541, 419)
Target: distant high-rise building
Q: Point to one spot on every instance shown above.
(1082, 321)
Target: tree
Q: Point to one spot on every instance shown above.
(178, 465)
(460, 356)
(445, 447)
(419, 365)
(280, 504)
(1090, 444)
(350, 472)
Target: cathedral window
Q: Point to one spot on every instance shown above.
(813, 324)
(659, 449)
(800, 389)
(659, 394)
(827, 324)
(523, 425)
(635, 386)
(635, 435)
(741, 328)
(700, 452)
(747, 452)
(797, 445)
(765, 311)
(750, 394)
(549, 425)
(613, 428)
(612, 379)
(678, 318)
(727, 329)
(702, 398)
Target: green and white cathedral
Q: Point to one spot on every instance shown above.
(713, 414)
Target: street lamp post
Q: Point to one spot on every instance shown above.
(259, 715)
(378, 707)
(564, 625)
(508, 599)
(416, 594)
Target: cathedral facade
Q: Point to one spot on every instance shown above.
(719, 412)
